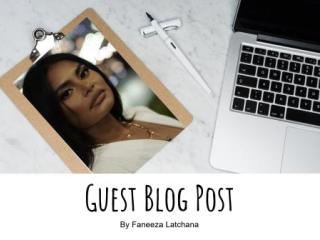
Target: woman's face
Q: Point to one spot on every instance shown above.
(83, 94)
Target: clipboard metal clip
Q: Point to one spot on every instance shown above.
(44, 41)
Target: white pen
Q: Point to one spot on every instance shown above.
(178, 53)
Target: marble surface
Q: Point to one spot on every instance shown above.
(204, 38)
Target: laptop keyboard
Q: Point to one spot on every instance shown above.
(278, 85)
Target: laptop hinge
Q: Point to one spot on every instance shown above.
(288, 43)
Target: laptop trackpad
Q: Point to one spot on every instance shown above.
(301, 151)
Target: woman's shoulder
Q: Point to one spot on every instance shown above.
(137, 110)
(145, 114)
(111, 158)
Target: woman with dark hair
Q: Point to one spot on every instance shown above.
(81, 104)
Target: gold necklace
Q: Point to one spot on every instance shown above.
(151, 133)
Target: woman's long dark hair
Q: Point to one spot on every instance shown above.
(38, 91)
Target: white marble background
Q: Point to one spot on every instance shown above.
(204, 38)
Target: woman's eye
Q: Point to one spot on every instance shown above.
(65, 94)
(84, 72)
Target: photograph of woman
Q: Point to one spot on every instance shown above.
(81, 103)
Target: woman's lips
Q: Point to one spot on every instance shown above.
(97, 99)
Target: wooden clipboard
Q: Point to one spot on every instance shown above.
(72, 161)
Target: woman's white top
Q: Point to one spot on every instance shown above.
(129, 155)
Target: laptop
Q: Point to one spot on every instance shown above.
(268, 119)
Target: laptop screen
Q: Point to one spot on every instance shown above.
(291, 19)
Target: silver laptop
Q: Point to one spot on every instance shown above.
(269, 111)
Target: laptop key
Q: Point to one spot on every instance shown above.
(247, 69)
(311, 60)
(276, 86)
(293, 102)
(307, 69)
(238, 104)
(312, 82)
(282, 64)
(303, 116)
(285, 56)
(242, 92)
(305, 104)
(247, 48)
(274, 75)
(247, 81)
(264, 84)
(251, 106)
(313, 94)
(316, 106)
(268, 97)
(260, 51)
(277, 111)
(287, 77)
(263, 72)
(256, 94)
(263, 108)
(301, 91)
(288, 89)
(270, 62)
(281, 99)
(246, 57)
(258, 60)
(297, 58)
(273, 53)
(316, 71)
(295, 67)
(299, 79)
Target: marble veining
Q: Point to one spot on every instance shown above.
(204, 38)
